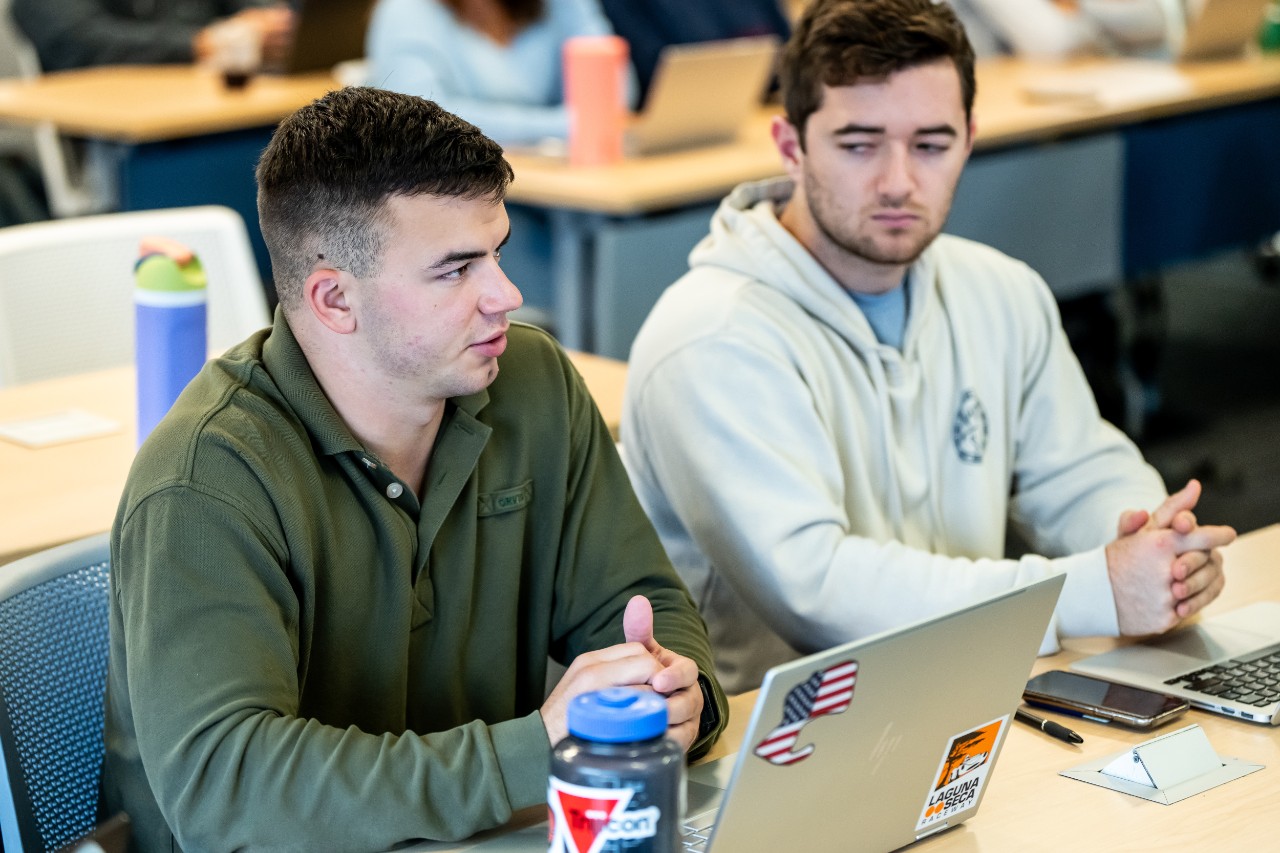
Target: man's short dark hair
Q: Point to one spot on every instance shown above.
(844, 42)
(325, 177)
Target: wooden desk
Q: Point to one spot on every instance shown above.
(1084, 193)
(181, 137)
(1029, 807)
(151, 103)
(1005, 117)
(56, 494)
(60, 493)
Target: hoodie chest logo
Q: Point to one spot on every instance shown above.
(970, 430)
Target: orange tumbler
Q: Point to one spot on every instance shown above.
(595, 75)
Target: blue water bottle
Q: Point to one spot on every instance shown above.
(170, 347)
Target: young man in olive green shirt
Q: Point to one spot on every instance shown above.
(342, 561)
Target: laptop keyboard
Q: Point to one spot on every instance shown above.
(696, 831)
(1252, 679)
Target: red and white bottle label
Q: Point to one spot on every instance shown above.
(584, 820)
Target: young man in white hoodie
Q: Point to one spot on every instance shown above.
(833, 417)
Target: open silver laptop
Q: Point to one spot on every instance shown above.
(1229, 664)
(1219, 28)
(703, 93)
(867, 746)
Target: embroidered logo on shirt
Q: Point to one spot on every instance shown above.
(970, 429)
(506, 500)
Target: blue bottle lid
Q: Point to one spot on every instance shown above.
(618, 715)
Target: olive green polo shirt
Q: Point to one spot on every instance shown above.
(304, 656)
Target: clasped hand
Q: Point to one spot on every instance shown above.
(1164, 565)
(639, 662)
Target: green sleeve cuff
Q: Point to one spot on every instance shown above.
(715, 716)
(524, 759)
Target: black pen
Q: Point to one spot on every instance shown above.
(1049, 727)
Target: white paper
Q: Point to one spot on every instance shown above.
(57, 428)
(1125, 83)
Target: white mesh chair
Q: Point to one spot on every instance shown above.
(66, 287)
(53, 672)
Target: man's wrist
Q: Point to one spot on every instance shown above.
(710, 718)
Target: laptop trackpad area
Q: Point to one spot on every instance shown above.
(703, 800)
(704, 791)
(1236, 633)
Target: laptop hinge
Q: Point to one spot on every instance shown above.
(934, 830)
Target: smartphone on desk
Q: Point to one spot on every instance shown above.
(1102, 701)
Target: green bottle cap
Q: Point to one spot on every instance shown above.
(165, 266)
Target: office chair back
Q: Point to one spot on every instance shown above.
(66, 287)
(53, 673)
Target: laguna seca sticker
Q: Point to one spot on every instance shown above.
(962, 772)
(584, 820)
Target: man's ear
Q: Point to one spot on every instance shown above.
(325, 293)
(786, 136)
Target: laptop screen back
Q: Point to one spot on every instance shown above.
(1221, 28)
(703, 93)
(904, 750)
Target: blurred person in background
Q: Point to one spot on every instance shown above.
(496, 63)
(1055, 29)
(80, 33)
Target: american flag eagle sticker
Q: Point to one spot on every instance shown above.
(828, 691)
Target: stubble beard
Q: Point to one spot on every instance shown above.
(865, 248)
(869, 249)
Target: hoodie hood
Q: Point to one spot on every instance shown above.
(746, 238)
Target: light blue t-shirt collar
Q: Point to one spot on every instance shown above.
(886, 312)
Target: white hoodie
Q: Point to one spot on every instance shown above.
(813, 486)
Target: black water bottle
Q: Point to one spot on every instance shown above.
(617, 778)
